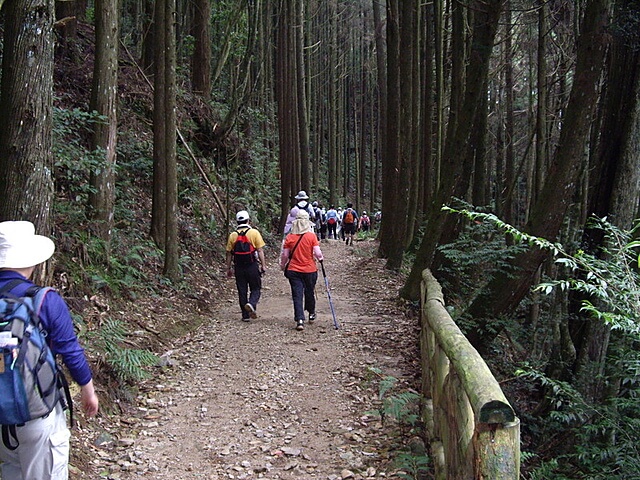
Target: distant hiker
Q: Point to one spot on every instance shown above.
(349, 223)
(297, 259)
(244, 249)
(340, 230)
(332, 223)
(377, 218)
(364, 224)
(38, 448)
(302, 203)
(321, 220)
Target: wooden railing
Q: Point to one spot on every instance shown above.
(472, 429)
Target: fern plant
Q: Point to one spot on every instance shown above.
(601, 438)
(129, 364)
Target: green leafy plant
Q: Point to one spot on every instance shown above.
(128, 363)
(601, 438)
(403, 407)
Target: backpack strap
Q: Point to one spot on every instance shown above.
(9, 433)
(10, 286)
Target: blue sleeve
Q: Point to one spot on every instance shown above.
(57, 320)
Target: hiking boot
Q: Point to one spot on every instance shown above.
(252, 311)
(312, 317)
(247, 319)
(300, 325)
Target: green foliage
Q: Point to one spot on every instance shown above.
(128, 363)
(411, 466)
(598, 440)
(116, 269)
(72, 159)
(403, 407)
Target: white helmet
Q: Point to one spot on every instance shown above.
(242, 216)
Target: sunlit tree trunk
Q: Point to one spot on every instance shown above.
(104, 96)
(26, 104)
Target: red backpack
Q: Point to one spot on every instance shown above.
(243, 249)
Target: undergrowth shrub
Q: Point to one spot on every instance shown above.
(128, 364)
(403, 408)
(580, 436)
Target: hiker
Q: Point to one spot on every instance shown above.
(349, 223)
(340, 230)
(39, 448)
(302, 203)
(332, 222)
(297, 260)
(244, 249)
(364, 223)
(321, 220)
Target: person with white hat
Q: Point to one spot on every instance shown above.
(42, 450)
(302, 203)
(245, 250)
(300, 251)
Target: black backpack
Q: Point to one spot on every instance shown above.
(244, 252)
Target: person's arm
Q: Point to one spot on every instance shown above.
(229, 267)
(284, 258)
(263, 263)
(318, 253)
(89, 399)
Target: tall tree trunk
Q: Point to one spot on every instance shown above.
(456, 177)
(26, 104)
(104, 95)
(303, 115)
(171, 251)
(159, 201)
(504, 292)
(392, 230)
(201, 60)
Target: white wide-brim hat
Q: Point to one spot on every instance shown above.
(20, 247)
(302, 195)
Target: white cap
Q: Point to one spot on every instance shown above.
(20, 247)
(242, 216)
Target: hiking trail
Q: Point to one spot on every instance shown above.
(240, 400)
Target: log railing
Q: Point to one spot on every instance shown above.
(472, 429)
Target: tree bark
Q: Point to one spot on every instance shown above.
(26, 104)
(104, 95)
(504, 292)
(201, 62)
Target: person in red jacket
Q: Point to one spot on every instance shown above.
(300, 251)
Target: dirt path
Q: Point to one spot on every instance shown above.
(262, 400)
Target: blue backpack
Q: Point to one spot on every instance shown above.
(30, 381)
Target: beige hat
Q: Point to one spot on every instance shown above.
(20, 247)
(301, 224)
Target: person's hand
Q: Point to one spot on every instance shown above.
(229, 272)
(89, 399)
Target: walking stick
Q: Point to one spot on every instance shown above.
(326, 284)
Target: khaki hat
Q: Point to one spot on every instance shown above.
(301, 224)
(20, 247)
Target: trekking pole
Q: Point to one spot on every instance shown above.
(326, 284)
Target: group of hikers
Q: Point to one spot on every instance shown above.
(306, 225)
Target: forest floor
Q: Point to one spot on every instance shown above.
(259, 399)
